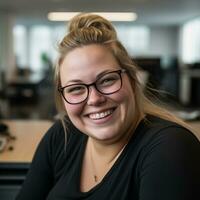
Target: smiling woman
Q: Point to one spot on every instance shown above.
(110, 134)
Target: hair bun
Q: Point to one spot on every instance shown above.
(87, 20)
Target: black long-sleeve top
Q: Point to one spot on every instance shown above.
(160, 162)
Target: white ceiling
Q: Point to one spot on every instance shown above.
(154, 12)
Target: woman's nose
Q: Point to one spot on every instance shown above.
(95, 97)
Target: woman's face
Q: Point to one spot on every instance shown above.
(105, 118)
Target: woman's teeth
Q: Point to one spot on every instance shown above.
(100, 115)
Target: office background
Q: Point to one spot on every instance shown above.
(163, 40)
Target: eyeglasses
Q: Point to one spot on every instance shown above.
(107, 84)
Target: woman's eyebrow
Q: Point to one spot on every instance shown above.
(101, 74)
(97, 77)
(104, 72)
(73, 81)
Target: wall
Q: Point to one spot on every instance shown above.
(163, 41)
(7, 58)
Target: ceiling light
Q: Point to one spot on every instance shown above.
(112, 16)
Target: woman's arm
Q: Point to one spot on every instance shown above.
(170, 168)
(40, 177)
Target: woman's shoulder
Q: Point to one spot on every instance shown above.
(62, 130)
(58, 142)
(153, 129)
(157, 124)
(167, 153)
(160, 141)
(59, 135)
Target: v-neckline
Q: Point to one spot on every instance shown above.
(107, 175)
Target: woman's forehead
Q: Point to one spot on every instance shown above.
(87, 62)
(88, 53)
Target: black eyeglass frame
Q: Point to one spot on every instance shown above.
(61, 89)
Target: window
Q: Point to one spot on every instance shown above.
(40, 43)
(20, 46)
(191, 42)
(134, 38)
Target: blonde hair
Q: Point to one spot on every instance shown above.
(86, 29)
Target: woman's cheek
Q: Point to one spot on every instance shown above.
(121, 96)
(73, 110)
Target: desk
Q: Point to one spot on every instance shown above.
(28, 134)
(24, 87)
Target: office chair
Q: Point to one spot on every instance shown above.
(12, 175)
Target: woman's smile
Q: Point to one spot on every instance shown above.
(100, 115)
(102, 118)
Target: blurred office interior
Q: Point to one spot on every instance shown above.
(164, 41)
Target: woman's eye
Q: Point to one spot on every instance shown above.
(108, 81)
(75, 90)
